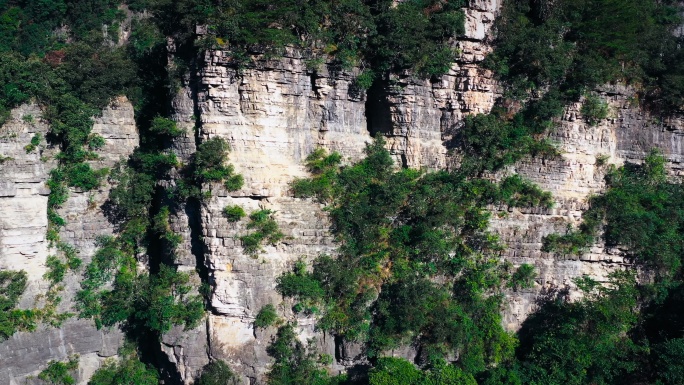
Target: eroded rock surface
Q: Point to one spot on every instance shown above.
(274, 114)
(23, 245)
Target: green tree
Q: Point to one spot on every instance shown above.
(60, 373)
(216, 373)
(127, 371)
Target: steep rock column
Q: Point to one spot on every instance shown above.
(419, 116)
(23, 196)
(24, 246)
(188, 350)
(273, 116)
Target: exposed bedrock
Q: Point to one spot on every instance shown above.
(274, 114)
(23, 245)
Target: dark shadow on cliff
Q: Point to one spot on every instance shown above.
(378, 116)
(549, 314)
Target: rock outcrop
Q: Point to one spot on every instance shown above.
(627, 135)
(23, 244)
(273, 115)
(23, 195)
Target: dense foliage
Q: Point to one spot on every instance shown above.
(617, 333)
(378, 35)
(398, 371)
(153, 302)
(296, 363)
(60, 373)
(127, 371)
(575, 45)
(399, 229)
(416, 263)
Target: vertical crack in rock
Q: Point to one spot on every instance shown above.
(187, 351)
(378, 116)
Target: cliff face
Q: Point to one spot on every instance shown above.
(273, 116)
(23, 244)
(627, 135)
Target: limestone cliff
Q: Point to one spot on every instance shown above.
(23, 244)
(274, 114)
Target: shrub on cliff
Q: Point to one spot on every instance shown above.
(217, 372)
(209, 160)
(165, 127)
(127, 371)
(594, 109)
(12, 286)
(208, 165)
(265, 230)
(295, 363)
(233, 213)
(266, 317)
(155, 301)
(60, 373)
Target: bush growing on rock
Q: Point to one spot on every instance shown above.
(127, 371)
(265, 230)
(12, 286)
(234, 213)
(164, 126)
(217, 372)
(594, 109)
(266, 317)
(60, 373)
